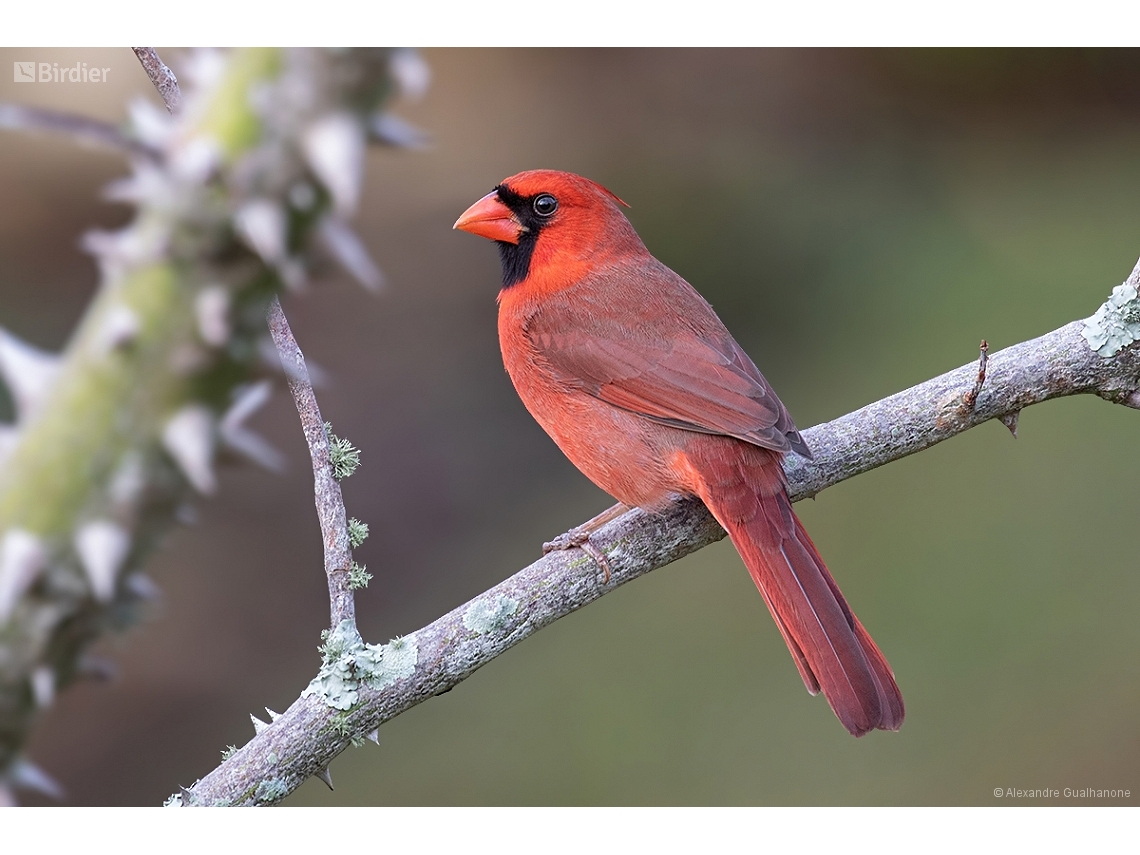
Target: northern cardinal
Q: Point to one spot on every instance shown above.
(639, 383)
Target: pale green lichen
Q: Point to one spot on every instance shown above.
(339, 725)
(1116, 324)
(348, 663)
(229, 752)
(487, 613)
(358, 577)
(357, 532)
(272, 758)
(173, 800)
(343, 455)
(271, 791)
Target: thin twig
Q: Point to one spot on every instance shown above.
(330, 504)
(971, 399)
(21, 117)
(303, 740)
(162, 78)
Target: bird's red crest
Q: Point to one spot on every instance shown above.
(552, 180)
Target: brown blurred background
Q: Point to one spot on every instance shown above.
(860, 220)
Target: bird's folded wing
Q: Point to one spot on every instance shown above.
(702, 383)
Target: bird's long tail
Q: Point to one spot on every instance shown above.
(834, 653)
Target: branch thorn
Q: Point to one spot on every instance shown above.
(971, 398)
(325, 776)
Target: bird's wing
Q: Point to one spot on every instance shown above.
(674, 364)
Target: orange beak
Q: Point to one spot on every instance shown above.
(491, 219)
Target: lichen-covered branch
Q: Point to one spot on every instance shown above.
(330, 503)
(363, 686)
(236, 196)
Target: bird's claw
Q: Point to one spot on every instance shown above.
(576, 538)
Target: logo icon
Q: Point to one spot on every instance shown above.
(23, 72)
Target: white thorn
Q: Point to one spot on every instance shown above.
(143, 587)
(103, 547)
(152, 126)
(411, 72)
(119, 328)
(212, 306)
(390, 129)
(139, 243)
(189, 437)
(374, 735)
(146, 183)
(273, 716)
(27, 776)
(195, 159)
(325, 776)
(8, 439)
(261, 224)
(28, 371)
(128, 481)
(247, 400)
(43, 686)
(204, 67)
(22, 559)
(350, 252)
(258, 724)
(334, 148)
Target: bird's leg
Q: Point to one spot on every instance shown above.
(579, 538)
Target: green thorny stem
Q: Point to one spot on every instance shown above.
(260, 168)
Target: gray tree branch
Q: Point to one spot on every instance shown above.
(330, 503)
(162, 78)
(303, 740)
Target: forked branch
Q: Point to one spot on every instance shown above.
(303, 740)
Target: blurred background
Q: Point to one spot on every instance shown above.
(860, 220)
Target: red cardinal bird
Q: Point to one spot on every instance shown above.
(634, 376)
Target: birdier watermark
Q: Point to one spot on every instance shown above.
(53, 72)
(1077, 793)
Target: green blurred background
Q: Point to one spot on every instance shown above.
(860, 220)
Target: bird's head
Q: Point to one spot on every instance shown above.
(551, 227)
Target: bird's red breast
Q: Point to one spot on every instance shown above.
(643, 388)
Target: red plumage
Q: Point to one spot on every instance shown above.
(643, 388)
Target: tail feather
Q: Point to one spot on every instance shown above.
(892, 703)
(831, 649)
(798, 657)
(893, 708)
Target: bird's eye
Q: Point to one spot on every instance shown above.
(545, 205)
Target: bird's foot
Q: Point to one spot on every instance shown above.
(579, 538)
